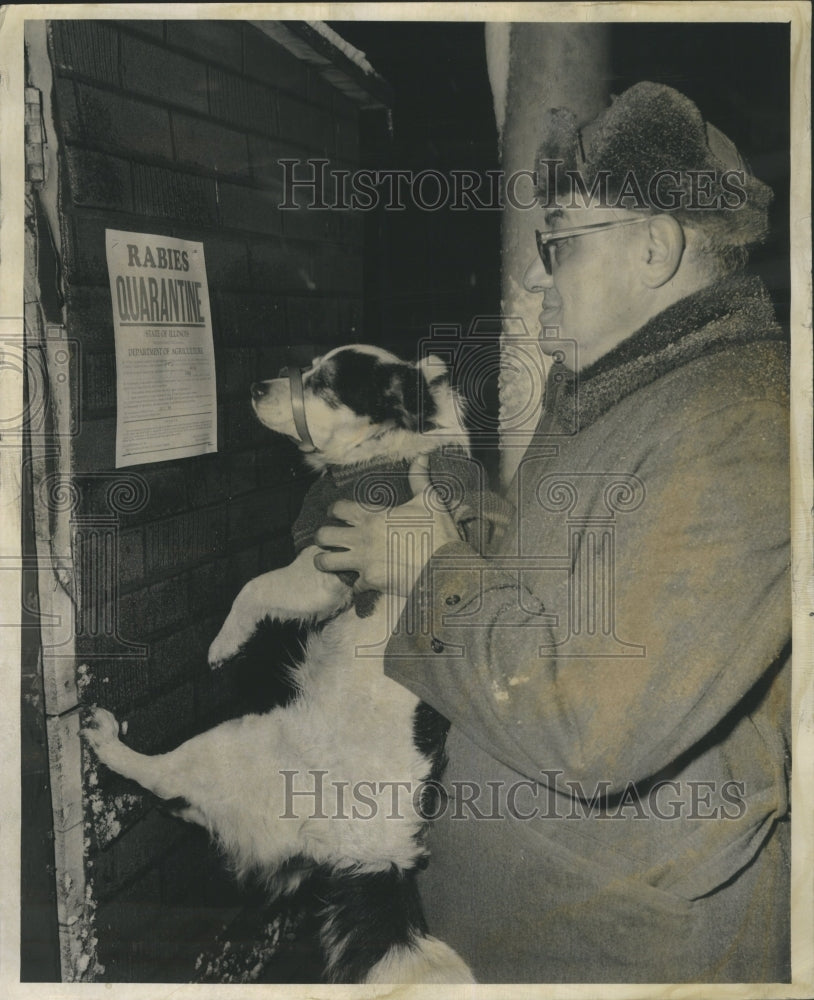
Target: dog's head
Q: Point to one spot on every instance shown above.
(361, 403)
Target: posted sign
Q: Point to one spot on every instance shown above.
(165, 359)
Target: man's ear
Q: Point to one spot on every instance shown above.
(663, 250)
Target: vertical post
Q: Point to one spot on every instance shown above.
(549, 65)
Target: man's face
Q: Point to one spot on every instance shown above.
(594, 294)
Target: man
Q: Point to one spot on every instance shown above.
(615, 670)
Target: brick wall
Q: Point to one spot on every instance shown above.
(175, 128)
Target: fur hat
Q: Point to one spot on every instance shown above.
(652, 151)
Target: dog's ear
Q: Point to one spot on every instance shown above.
(433, 368)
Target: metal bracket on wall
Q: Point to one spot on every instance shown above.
(34, 136)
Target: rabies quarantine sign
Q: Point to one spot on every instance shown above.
(165, 359)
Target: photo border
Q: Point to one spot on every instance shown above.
(12, 20)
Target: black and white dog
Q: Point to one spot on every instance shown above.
(310, 789)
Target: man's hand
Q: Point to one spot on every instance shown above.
(363, 540)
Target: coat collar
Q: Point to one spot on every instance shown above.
(735, 311)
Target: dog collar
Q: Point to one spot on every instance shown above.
(294, 376)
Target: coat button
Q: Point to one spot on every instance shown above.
(437, 646)
(452, 600)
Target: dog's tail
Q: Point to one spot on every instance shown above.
(373, 931)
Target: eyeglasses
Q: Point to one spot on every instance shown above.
(545, 239)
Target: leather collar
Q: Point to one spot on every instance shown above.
(294, 376)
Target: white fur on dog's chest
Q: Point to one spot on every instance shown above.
(359, 721)
(343, 669)
(346, 795)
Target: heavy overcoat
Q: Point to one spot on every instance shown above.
(616, 673)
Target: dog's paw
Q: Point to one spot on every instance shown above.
(102, 732)
(227, 644)
(220, 651)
